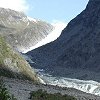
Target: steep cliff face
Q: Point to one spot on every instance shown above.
(76, 53)
(21, 31)
(13, 65)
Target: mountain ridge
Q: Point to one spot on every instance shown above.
(75, 54)
(13, 65)
(16, 28)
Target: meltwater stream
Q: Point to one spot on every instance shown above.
(92, 87)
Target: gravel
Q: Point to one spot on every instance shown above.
(21, 89)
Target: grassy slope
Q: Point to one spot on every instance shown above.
(12, 64)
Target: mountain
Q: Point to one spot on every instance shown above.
(76, 53)
(20, 31)
(13, 65)
(23, 89)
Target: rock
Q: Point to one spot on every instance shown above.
(76, 53)
(20, 31)
(21, 89)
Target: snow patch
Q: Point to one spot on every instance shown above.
(25, 19)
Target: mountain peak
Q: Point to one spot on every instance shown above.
(93, 4)
(94, 0)
(20, 28)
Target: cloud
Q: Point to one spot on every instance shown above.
(18, 5)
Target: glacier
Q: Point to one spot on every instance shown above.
(88, 86)
(58, 27)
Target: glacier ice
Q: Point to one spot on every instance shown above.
(89, 86)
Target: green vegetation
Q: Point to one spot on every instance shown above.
(43, 95)
(6, 73)
(4, 94)
(13, 65)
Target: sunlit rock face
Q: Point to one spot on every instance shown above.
(76, 53)
(21, 31)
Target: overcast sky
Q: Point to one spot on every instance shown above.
(47, 10)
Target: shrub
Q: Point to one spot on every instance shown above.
(4, 94)
(43, 95)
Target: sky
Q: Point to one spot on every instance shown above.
(47, 10)
(60, 10)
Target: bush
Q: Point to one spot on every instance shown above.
(43, 95)
(4, 94)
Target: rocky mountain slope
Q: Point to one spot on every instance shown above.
(13, 65)
(76, 53)
(21, 31)
(21, 89)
